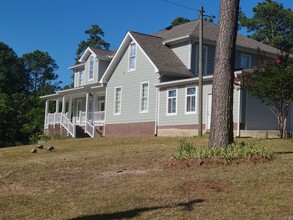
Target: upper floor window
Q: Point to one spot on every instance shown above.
(204, 60)
(245, 61)
(144, 96)
(117, 100)
(190, 100)
(172, 102)
(80, 77)
(91, 71)
(132, 57)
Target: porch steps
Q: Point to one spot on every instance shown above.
(80, 132)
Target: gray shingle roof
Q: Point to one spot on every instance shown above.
(102, 52)
(210, 33)
(162, 56)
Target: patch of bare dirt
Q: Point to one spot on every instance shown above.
(201, 187)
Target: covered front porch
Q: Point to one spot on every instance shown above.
(82, 107)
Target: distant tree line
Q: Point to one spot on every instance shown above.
(22, 81)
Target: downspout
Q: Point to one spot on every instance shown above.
(105, 110)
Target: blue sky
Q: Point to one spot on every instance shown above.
(57, 26)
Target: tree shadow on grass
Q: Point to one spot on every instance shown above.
(186, 206)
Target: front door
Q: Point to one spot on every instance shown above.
(209, 111)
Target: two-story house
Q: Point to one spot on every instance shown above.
(149, 87)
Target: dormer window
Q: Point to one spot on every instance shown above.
(80, 77)
(132, 57)
(91, 72)
(245, 61)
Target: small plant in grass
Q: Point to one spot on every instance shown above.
(234, 151)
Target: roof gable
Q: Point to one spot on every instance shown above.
(97, 53)
(160, 56)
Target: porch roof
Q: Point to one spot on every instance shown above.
(72, 91)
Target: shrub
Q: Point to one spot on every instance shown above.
(232, 152)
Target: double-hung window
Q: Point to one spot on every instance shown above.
(190, 100)
(117, 100)
(144, 97)
(80, 77)
(172, 102)
(91, 70)
(245, 61)
(132, 57)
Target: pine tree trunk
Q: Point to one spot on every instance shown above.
(221, 133)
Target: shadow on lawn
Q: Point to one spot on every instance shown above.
(186, 206)
(284, 152)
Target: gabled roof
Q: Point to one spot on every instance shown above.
(191, 29)
(97, 52)
(160, 56)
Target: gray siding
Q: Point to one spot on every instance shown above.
(182, 51)
(181, 118)
(103, 65)
(259, 116)
(130, 83)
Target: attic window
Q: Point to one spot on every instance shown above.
(132, 57)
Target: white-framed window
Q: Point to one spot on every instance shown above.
(101, 103)
(172, 101)
(245, 61)
(190, 102)
(204, 60)
(144, 97)
(91, 69)
(80, 77)
(132, 57)
(117, 100)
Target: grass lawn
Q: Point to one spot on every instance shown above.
(123, 178)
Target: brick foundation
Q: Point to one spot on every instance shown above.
(56, 130)
(130, 129)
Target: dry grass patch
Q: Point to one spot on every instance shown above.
(122, 178)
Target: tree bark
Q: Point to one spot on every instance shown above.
(221, 133)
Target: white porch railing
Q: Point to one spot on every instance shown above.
(99, 118)
(60, 118)
(90, 129)
(94, 118)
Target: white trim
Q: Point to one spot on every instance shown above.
(114, 104)
(196, 100)
(129, 56)
(239, 112)
(176, 39)
(85, 53)
(249, 59)
(208, 125)
(167, 102)
(77, 118)
(76, 66)
(140, 97)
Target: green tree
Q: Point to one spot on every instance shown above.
(40, 67)
(179, 21)
(12, 75)
(273, 84)
(221, 133)
(94, 40)
(271, 24)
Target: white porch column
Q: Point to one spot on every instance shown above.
(86, 106)
(57, 106)
(63, 104)
(70, 108)
(46, 111)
